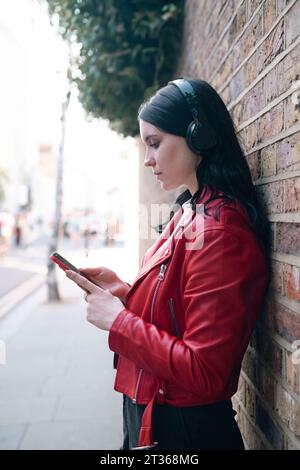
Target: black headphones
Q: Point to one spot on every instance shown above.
(199, 135)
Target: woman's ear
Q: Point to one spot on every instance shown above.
(198, 160)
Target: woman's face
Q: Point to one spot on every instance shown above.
(170, 156)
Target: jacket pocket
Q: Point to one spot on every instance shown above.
(173, 316)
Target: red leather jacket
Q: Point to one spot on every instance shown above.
(190, 312)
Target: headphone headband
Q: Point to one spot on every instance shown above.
(189, 93)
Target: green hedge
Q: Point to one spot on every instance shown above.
(128, 49)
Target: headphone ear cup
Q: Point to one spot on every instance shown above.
(200, 137)
(193, 137)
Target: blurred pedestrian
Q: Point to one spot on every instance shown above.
(6, 231)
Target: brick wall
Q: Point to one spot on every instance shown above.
(249, 50)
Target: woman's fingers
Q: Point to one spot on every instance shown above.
(91, 271)
(83, 282)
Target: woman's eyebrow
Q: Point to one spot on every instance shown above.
(149, 136)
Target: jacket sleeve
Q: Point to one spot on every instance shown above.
(221, 300)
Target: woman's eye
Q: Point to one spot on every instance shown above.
(155, 146)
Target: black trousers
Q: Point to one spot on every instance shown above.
(205, 427)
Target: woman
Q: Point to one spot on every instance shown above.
(181, 330)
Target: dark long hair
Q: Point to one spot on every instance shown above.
(223, 168)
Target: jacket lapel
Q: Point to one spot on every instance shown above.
(161, 250)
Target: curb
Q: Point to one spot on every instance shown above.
(19, 293)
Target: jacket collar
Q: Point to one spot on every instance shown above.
(163, 247)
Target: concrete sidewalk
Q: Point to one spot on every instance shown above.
(22, 271)
(56, 389)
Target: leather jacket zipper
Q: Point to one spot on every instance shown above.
(161, 276)
(172, 311)
(137, 385)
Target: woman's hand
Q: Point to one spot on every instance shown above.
(107, 279)
(102, 306)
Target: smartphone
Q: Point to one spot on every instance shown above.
(65, 264)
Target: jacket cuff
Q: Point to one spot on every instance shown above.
(114, 331)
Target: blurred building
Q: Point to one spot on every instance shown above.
(100, 168)
(15, 141)
(44, 180)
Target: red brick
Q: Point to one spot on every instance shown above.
(286, 322)
(253, 161)
(224, 18)
(277, 276)
(272, 196)
(292, 195)
(241, 135)
(221, 51)
(236, 113)
(266, 317)
(241, 15)
(251, 136)
(271, 85)
(268, 161)
(270, 352)
(273, 241)
(252, 35)
(271, 123)
(281, 4)
(222, 75)
(206, 12)
(249, 365)
(237, 84)
(273, 356)
(237, 55)
(249, 400)
(269, 426)
(291, 113)
(271, 47)
(253, 101)
(240, 393)
(252, 439)
(291, 282)
(292, 372)
(266, 385)
(269, 10)
(225, 96)
(251, 69)
(288, 238)
(288, 153)
(216, 32)
(238, 23)
(241, 419)
(252, 5)
(288, 409)
(292, 23)
(288, 70)
(249, 433)
(211, 15)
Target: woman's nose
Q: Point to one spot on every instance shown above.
(149, 160)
